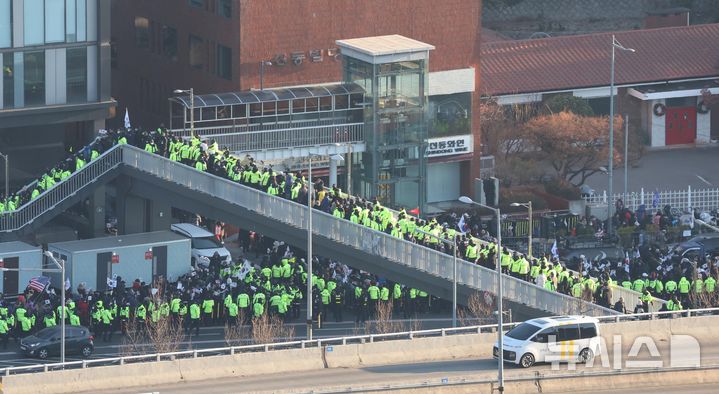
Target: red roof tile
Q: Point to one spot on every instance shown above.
(568, 62)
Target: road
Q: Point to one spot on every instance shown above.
(213, 337)
(666, 169)
(333, 380)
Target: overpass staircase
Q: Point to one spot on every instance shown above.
(155, 177)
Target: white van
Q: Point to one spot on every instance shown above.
(550, 339)
(204, 243)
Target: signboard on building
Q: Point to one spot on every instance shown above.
(446, 146)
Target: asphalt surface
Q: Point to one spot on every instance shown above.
(666, 169)
(213, 337)
(327, 380)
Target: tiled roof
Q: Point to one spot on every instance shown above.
(525, 66)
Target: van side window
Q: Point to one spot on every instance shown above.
(568, 333)
(544, 335)
(587, 330)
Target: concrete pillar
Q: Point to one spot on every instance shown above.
(96, 212)
(333, 172)
(160, 216)
(131, 209)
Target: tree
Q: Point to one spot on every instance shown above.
(575, 146)
(568, 103)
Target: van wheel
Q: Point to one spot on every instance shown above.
(527, 360)
(585, 355)
(42, 354)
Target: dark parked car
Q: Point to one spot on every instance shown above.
(46, 342)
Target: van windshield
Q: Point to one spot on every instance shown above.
(522, 332)
(205, 243)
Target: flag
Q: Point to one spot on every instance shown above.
(67, 284)
(655, 199)
(111, 283)
(555, 253)
(127, 119)
(39, 283)
(462, 226)
(414, 211)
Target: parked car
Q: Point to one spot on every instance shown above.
(46, 342)
(698, 246)
(204, 243)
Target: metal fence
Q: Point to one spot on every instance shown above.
(700, 199)
(359, 237)
(15, 220)
(296, 137)
(320, 342)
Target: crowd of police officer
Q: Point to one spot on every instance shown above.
(207, 297)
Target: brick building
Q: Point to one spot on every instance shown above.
(218, 46)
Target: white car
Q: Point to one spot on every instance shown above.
(204, 244)
(551, 339)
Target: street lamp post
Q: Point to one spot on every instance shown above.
(500, 318)
(191, 91)
(452, 243)
(610, 202)
(309, 249)
(61, 268)
(527, 205)
(310, 195)
(262, 73)
(626, 156)
(7, 174)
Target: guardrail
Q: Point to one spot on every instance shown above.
(15, 220)
(700, 199)
(359, 237)
(302, 344)
(243, 128)
(296, 137)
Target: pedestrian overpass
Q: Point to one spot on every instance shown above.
(156, 178)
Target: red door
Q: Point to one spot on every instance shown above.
(681, 127)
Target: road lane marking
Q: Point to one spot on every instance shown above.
(704, 180)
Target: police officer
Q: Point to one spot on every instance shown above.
(337, 303)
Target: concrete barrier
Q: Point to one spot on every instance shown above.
(164, 372)
(408, 351)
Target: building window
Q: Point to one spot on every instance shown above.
(76, 75)
(75, 20)
(5, 23)
(142, 32)
(54, 22)
(8, 81)
(224, 8)
(34, 78)
(224, 62)
(34, 22)
(197, 3)
(169, 42)
(197, 52)
(81, 17)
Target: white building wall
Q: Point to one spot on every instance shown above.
(704, 127)
(657, 124)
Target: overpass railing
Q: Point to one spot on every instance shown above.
(209, 132)
(295, 137)
(324, 342)
(26, 214)
(359, 237)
